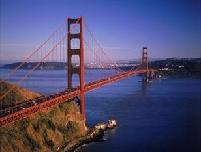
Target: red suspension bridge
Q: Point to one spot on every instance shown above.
(80, 51)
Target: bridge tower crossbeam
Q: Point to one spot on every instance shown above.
(145, 58)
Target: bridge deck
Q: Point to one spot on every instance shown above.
(41, 104)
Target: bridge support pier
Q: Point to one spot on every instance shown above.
(148, 76)
(145, 77)
(80, 52)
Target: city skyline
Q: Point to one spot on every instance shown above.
(167, 28)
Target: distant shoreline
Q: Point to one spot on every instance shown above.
(169, 67)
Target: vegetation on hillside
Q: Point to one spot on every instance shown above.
(44, 131)
(47, 131)
(179, 67)
(15, 96)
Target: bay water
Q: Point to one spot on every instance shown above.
(161, 116)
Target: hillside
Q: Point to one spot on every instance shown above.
(44, 132)
(17, 94)
(43, 66)
(47, 131)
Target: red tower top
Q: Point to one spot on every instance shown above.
(145, 58)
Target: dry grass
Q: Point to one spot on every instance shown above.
(17, 95)
(46, 132)
(43, 132)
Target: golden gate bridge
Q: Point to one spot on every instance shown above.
(79, 50)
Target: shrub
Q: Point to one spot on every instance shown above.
(33, 144)
(48, 141)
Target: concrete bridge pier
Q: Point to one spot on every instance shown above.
(145, 77)
(148, 76)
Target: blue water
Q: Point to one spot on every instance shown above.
(163, 116)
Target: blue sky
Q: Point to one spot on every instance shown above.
(169, 28)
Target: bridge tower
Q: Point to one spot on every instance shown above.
(71, 51)
(145, 63)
